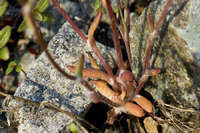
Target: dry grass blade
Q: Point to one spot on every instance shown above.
(51, 106)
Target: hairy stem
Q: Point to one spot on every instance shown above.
(57, 5)
(115, 34)
(29, 16)
(153, 33)
(95, 48)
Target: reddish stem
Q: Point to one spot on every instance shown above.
(95, 48)
(148, 52)
(127, 42)
(164, 13)
(153, 32)
(74, 26)
(43, 45)
(150, 21)
(115, 35)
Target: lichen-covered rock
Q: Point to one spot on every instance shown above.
(178, 83)
(45, 83)
(78, 11)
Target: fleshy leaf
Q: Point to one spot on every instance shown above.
(47, 17)
(12, 64)
(3, 7)
(115, 9)
(38, 15)
(22, 26)
(97, 4)
(18, 68)
(42, 5)
(73, 128)
(4, 53)
(9, 70)
(4, 35)
(10, 67)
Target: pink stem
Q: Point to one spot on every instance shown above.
(74, 26)
(95, 48)
(164, 13)
(127, 42)
(115, 35)
(153, 32)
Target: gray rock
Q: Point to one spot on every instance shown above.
(191, 31)
(72, 8)
(178, 82)
(44, 83)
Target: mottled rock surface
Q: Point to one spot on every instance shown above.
(74, 9)
(178, 83)
(44, 83)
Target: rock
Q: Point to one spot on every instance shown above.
(150, 125)
(72, 8)
(26, 62)
(191, 31)
(178, 83)
(8, 81)
(44, 83)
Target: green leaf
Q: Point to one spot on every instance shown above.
(22, 26)
(10, 67)
(38, 15)
(115, 10)
(18, 68)
(103, 10)
(9, 70)
(12, 64)
(47, 17)
(3, 7)
(97, 4)
(4, 35)
(4, 53)
(42, 5)
(73, 128)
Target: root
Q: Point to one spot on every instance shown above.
(179, 117)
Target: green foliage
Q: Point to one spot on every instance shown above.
(115, 9)
(97, 4)
(47, 17)
(18, 68)
(22, 26)
(3, 7)
(73, 128)
(4, 35)
(10, 67)
(13, 65)
(4, 53)
(44, 16)
(40, 14)
(42, 5)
